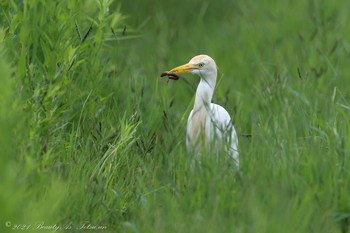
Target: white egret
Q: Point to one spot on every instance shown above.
(207, 119)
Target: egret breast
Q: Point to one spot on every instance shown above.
(197, 124)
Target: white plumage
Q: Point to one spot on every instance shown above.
(207, 119)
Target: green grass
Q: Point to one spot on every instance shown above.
(89, 133)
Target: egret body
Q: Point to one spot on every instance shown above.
(206, 118)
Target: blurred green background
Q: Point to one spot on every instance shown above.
(92, 139)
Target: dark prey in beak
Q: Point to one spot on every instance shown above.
(170, 75)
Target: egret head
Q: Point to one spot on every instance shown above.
(202, 65)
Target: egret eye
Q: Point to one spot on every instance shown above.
(201, 64)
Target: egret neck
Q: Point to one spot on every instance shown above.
(201, 108)
(204, 92)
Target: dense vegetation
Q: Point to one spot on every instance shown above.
(91, 137)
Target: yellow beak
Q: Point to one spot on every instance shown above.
(183, 69)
